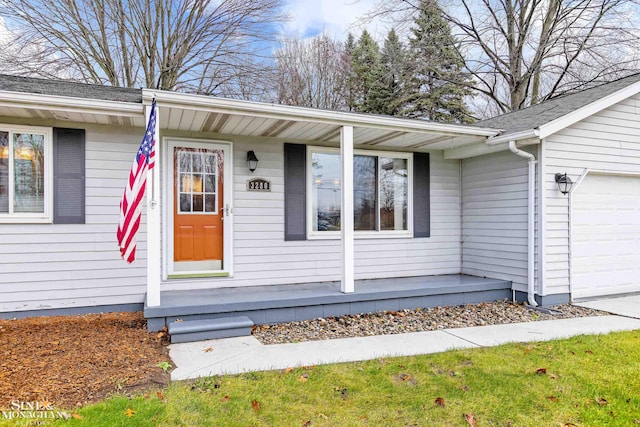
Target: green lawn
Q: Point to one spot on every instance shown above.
(584, 381)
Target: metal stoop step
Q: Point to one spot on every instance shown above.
(206, 329)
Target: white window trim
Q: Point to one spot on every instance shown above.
(25, 217)
(381, 234)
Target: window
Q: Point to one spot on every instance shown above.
(198, 171)
(25, 174)
(381, 189)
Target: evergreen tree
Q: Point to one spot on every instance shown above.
(350, 87)
(367, 70)
(437, 77)
(394, 75)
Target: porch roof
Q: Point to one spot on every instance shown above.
(55, 100)
(198, 113)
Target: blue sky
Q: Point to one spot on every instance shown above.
(311, 17)
(336, 17)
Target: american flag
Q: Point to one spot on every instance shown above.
(131, 204)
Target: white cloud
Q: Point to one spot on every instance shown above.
(5, 35)
(335, 17)
(30, 60)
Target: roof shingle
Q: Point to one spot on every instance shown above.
(67, 88)
(554, 108)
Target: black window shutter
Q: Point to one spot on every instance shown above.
(421, 195)
(68, 176)
(295, 192)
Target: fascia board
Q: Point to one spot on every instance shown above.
(70, 104)
(588, 110)
(286, 112)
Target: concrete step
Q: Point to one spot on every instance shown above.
(206, 329)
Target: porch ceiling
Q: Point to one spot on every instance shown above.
(193, 113)
(312, 130)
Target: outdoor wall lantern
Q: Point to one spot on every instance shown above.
(564, 183)
(252, 161)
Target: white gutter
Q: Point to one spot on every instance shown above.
(517, 136)
(531, 221)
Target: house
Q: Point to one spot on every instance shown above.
(333, 213)
(587, 242)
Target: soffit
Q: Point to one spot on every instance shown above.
(382, 135)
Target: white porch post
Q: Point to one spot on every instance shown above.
(346, 213)
(153, 220)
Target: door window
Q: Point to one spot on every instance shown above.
(198, 182)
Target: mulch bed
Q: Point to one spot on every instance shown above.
(72, 361)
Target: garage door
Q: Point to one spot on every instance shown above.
(606, 236)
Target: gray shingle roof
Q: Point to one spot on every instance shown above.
(554, 108)
(67, 88)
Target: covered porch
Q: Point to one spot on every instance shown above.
(279, 262)
(284, 303)
(244, 126)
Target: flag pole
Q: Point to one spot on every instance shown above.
(155, 170)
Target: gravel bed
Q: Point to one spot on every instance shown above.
(396, 322)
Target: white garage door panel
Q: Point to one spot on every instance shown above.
(606, 236)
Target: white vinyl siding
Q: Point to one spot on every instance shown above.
(606, 141)
(51, 266)
(263, 257)
(494, 230)
(45, 266)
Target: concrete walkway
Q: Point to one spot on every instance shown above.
(246, 354)
(623, 306)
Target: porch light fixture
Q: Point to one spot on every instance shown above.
(252, 161)
(564, 183)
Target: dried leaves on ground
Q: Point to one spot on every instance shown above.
(74, 360)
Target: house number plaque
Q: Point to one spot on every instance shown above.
(258, 184)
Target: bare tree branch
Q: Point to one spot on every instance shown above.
(190, 45)
(523, 51)
(311, 73)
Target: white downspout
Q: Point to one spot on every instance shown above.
(531, 221)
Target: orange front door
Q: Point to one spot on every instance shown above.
(198, 209)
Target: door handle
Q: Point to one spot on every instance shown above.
(226, 210)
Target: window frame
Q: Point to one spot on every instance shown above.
(204, 193)
(45, 217)
(360, 234)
